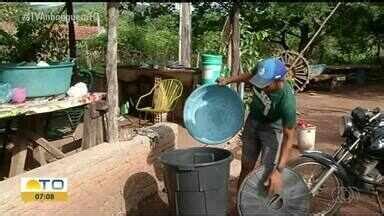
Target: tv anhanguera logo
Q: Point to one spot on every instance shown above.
(44, 189)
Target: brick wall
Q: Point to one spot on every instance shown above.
(108, 179)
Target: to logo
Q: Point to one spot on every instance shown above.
(44, 189)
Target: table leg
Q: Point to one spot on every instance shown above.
(5, 138)
(39, 155)
(19, 155)
(99, 130)
(91, 126)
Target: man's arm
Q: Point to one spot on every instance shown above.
(286, 146)
(275, 179)
(244, 77)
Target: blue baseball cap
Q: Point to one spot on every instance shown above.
(268, 70)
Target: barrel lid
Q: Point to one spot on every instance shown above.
(213, 114)
(294, 199)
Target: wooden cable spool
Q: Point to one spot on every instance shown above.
(298, 69)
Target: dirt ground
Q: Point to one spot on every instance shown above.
(322, 109)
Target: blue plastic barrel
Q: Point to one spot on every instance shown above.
(211, 68)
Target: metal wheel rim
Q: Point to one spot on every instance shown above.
(304, 196)
(334, 201)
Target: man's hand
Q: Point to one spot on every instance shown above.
(274, 182)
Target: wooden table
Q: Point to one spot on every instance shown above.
(136, 81)
(91, 131)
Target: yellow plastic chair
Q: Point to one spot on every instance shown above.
(165, 95)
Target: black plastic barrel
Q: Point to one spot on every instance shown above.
(197, 180)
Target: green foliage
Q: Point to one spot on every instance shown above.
(208, 42)
(153, 43)
(148, 32)
(354, 40)
(10, 11)
(87, 13)
(142, 13)
(92, 53)
(207, 22)
(34, 41)
(252, 45)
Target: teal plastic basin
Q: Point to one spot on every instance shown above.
(213, 114)
(39, 81)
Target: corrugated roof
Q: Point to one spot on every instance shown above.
(85, 32)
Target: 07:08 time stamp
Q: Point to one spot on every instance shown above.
(44, 196)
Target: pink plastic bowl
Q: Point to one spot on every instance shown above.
(19, 95)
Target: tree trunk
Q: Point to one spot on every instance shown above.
(304, 37)
(71, 30)
(380, 53)
(111, 73)
(185, 35)
(235, 42)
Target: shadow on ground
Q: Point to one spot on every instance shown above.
(144, 192)
(134, 195)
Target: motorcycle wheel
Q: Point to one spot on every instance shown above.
(327, 200)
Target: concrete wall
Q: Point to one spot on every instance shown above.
(108, 179)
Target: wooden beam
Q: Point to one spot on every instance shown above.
(235, 42)
(185, 34)
(111, 73)
(39, 155)
(45, 144)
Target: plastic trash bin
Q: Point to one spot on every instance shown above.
(197, 180)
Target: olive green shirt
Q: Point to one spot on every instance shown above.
(283, 107)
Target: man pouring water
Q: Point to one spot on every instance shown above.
(269, 128)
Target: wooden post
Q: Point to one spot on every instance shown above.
(89, 134)
(19, 155)
(71, 30)
(185, 34)
(235, 42)
(93, 132)
(111, 73)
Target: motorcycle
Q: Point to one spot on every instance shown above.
(357, 166)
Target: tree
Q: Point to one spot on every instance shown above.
(351, 40)
(111, 72)
(185, 35)
(291, 25)
(144, 12)
(71, 30)
(10, 11)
